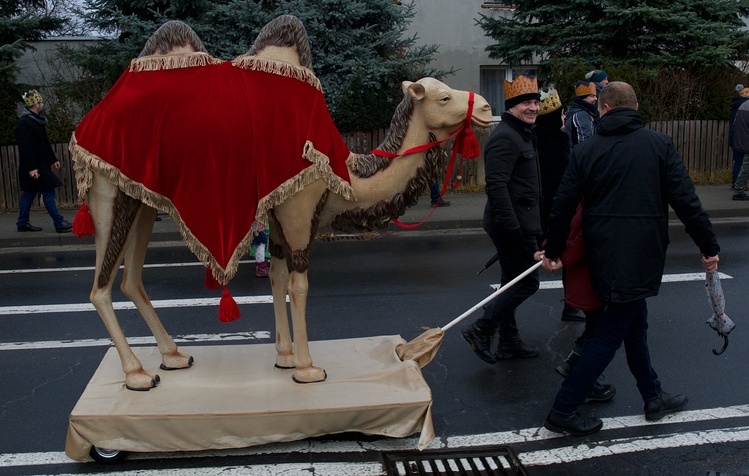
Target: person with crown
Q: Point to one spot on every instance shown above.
(36, 160)
(582, 117)
(512, 219)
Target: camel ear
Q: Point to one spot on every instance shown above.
(416, 90)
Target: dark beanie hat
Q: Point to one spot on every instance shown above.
(597, 75)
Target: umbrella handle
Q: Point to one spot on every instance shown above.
(493, 295)
(725, 346)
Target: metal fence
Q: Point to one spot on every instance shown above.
(703, 146)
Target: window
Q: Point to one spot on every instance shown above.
(497, 4)
(491, 87)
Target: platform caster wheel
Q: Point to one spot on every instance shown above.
(105, 456)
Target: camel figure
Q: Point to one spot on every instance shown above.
(381, 189)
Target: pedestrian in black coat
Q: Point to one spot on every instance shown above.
(36, 160)
(512, 219)
(629, 176)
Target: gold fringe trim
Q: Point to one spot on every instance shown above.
(320, 169)
(281, 68)
(162, 62)
(86, 164)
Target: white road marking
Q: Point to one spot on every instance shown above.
(145, 340)
(564, 454)
(267, 299)
(92, 268)
(667, 278)
(121, 305)
(570, 454)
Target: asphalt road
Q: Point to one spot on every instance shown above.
(400, 283)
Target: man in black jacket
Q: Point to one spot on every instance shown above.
(36, 159)
(628, 175)
(512, 218)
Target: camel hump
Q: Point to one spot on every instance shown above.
(279, 36)
(174, 36)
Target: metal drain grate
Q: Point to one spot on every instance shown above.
(486, 461)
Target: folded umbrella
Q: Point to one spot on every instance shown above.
(491, 261)
(721, 323)
(423, 348)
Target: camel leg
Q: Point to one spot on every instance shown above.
(295, 222)
(279, 281)
(102, 197)
(132, 287)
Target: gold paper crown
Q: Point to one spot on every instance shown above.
(32, 97)
(521, 85)
(585, 89)
(550, 101)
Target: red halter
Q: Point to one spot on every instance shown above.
(465, 142)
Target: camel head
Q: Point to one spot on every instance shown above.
(173, 37)
(443, 109)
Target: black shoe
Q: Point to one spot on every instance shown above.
(574, 424)
(743, 196)
(600, 393)
(65, 227)
(565, 368)
(572, 314)
(442, 203)
(481, 342)
(515, 349)
(29, 227)
(663, 405)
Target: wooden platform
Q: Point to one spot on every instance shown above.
(233, 397)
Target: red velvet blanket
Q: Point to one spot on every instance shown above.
(214, 144)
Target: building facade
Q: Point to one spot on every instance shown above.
(462, 45)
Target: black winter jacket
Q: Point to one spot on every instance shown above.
(35, 152)
(628, 175)
(513, 186)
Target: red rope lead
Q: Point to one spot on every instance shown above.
(465, 142)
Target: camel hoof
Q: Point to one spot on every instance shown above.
(309, 375)
(142, 382)
(176, 362)
(285, 361)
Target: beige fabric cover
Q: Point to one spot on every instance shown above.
(233, 397)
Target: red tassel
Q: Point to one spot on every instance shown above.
(83, 223)
(469, 144)
(227, 310)
(210, 282)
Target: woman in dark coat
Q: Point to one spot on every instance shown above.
(36, 159)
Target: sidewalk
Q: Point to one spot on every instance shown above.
(465, 211)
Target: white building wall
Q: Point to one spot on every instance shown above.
(452, 25)
(462, 44)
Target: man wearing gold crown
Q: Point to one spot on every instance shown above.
(582, 117)
(36, 159)
(512, 218)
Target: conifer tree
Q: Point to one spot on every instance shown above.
(359, 50)
(20, 22)
(648, 43)
(677, 33)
